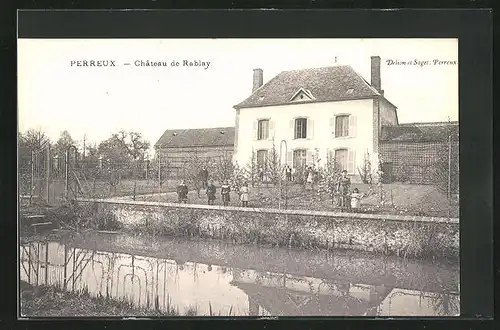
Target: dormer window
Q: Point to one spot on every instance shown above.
(302, 95)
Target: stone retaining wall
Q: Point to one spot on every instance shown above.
(390, 234)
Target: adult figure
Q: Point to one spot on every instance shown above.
(225, 192)
(344, 187)
(204, 177)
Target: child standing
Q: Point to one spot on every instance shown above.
(211, 190)
(225, 191)
(182, 192)
(356, 199)
(244, 192)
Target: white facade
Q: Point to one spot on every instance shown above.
(321, 138)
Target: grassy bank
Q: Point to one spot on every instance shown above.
(51, 301)
(403, 238)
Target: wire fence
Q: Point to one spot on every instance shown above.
(54, 179)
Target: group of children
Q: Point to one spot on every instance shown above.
(211, 191)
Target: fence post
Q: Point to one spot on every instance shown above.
(159, 173)
(449, 167)
(32, 176)
(48, 175)
(66, 178)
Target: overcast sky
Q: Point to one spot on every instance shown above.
(98, 101)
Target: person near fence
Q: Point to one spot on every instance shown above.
(310, 176)
(204, 177)
(211, 190)
(225, 192)
(244, 194)
(344, 186)
(356, 197)
(182, 192)
(288, 173)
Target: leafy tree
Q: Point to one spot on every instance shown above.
(132, 143)
(63, 143)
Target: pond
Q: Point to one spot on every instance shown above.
(216, 278)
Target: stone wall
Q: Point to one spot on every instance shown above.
(389, 234)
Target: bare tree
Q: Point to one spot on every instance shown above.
(252, 169)
(274, 168)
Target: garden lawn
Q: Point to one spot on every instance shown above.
(404, 199)
(102, 189)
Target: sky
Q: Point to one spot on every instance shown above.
(95, 102)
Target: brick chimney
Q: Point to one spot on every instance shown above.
(376, 74)
(258, 79)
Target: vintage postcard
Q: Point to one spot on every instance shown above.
(238, 177)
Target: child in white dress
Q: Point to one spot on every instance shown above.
(356, 199)
(244, 192)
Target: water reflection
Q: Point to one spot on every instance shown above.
(195, 288)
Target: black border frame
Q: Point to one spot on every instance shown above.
(474, 28)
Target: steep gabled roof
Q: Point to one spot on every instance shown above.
(336, 83)
(421, 132)
(202, 137)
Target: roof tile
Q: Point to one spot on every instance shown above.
(325, 84)
(202, 137)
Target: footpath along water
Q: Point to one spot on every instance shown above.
(215, 278)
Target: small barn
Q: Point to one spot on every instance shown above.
(421, 153)
(177, 147)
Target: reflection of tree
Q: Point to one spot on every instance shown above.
(445, 304)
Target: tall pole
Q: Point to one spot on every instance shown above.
(32, 175)
(159, 173)
(66, 176)
(281, 172)
(48, 174)
(449, 166)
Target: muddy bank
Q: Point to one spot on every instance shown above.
(420, 238)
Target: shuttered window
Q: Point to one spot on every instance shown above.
(342, 126)
(299, 158)
(263, 129)
(300, 128)
(262, 158)
(341, 159)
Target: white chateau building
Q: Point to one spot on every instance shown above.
(318, 112)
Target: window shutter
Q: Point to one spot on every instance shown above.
(309, 157)
(352, 126)
(255, 124)
(332, 126)
(310, 128)
(351, 161)
(271, 129)
(292, 128)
